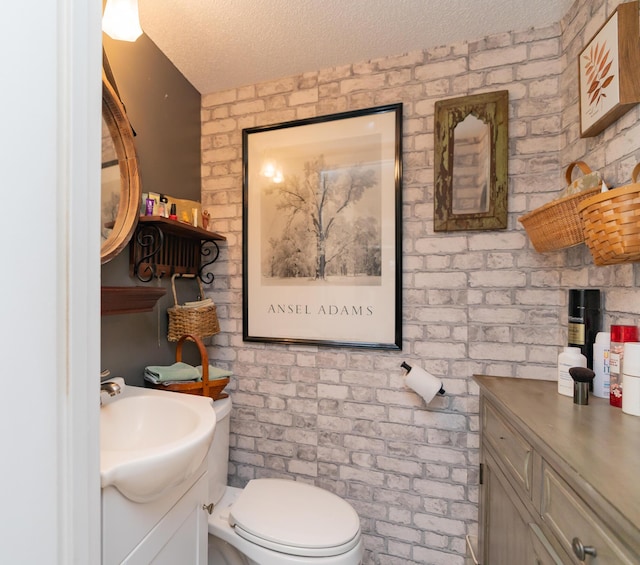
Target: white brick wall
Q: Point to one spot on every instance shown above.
(474, 302)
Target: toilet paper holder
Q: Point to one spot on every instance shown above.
(422, 382)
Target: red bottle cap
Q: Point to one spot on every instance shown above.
(620, 334)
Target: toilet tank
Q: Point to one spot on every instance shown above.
(218, 456)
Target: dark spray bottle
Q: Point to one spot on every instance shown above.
(585, 320)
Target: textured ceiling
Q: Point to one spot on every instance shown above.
(222, 44)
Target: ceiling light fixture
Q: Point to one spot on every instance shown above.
(121, 20)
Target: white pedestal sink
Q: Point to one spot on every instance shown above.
(152, 440)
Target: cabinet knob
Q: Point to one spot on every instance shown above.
(208, 507)
(581, 551)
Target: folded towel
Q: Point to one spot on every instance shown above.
(177, 372)
(155, 381)
(198, 303)
(214, 373)
(181, 372)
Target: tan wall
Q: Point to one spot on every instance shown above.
(474, 302)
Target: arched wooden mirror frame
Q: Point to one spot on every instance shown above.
(492, 108)
(114, 115)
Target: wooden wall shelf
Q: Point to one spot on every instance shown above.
(181, 229)
(161, 247)
(129, 299)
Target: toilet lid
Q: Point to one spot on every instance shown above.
(295, 518)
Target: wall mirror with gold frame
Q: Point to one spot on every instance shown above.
(121, 189)
(471, 162)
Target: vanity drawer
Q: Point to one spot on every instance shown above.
(569, 518)
(512, 449)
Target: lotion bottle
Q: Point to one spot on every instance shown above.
(569, 357)
(631, 379)
(619, 336)
(601, 364)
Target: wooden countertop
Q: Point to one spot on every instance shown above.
(599, 444)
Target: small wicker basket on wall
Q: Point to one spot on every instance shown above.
(558, 224)
(612, 223)
(201, 321)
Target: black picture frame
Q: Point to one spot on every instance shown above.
(322, 230)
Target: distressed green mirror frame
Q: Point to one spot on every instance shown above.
(492, 108)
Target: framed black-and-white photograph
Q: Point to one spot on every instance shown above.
(322, 230)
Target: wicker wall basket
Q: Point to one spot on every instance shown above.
(212, 389)
(612, 224)
(558, 224)
(201, 321)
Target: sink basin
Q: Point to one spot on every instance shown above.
(152, 440)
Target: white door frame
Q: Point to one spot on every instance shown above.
(50, 56)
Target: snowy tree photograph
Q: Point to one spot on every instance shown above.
(322, 230)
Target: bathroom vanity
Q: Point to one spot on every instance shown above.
(154, 475)
(559, 481)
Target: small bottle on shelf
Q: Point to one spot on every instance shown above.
(569, 357)
(585, 320)
(601, 349)
(619, 336)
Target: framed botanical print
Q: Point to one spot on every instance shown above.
(608, 71)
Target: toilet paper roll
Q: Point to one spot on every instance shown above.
(423, 383)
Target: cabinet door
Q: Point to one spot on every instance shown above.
(504, 520)
(180, 536)
(515, 452)
(188, 544)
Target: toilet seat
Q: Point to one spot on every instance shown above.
(295, 518)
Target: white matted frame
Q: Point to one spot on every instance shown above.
(322, 230)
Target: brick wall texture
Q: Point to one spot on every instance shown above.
(473, 302)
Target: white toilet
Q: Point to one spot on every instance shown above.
(275, 521)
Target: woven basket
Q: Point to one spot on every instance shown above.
(558, 224)
(612, 223)
(213, 388)
(201, 321)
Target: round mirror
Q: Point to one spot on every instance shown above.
(121, 189)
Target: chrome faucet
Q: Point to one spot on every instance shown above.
(110, 387)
